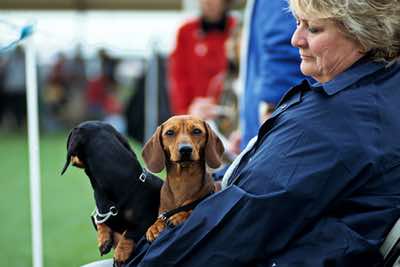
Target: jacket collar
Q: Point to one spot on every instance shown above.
(362, 68)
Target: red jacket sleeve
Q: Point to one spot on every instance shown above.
(178, 76)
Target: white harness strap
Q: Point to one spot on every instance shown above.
(236, 162)
(102, 217)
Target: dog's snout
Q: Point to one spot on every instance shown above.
(185, 150)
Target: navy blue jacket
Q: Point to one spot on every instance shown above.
(320, 187)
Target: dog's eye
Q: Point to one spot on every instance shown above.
(197, 131)
(170, 133)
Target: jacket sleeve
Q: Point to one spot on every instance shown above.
(279, 61)
(178, 75)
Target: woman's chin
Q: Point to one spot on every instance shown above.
(308, 69)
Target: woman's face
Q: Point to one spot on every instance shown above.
(213, 10)
(324, 49)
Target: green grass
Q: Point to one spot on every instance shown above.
(67, 201)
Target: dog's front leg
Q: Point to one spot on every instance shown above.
(104, 238)
(155, 230)
(123, 250)
(116, 238)
(179, 217)
(217, 186)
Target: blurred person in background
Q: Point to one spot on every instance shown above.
(76, 70)
(223, 115)
(64, 92)
(103, 102)
(56, 90)
(224, 111)
(76, 73)
(101, 87)
(269, 65)
(199, 55)
(14, 89)
(135, 108)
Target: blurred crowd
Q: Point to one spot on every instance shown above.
(74, 88)
(71, 89)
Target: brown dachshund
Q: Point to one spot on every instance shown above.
(184, 145)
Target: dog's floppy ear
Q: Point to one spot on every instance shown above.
(214, 148)
(153, 153)
(73, 141)
(68, 154)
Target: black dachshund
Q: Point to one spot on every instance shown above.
(127, 197)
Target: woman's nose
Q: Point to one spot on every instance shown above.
(298, 39)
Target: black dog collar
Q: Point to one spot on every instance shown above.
(167, 214)
(144, 175)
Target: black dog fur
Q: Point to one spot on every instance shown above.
(114, 171)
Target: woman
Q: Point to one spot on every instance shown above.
(320, 185)
(199, 55)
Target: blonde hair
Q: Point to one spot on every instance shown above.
(374, 24)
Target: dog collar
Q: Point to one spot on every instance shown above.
(102, 217)
(164, 216)
(143, 175)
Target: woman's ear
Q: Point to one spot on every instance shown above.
(153, 153)
(214, 148)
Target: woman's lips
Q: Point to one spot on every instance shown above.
(305, 57)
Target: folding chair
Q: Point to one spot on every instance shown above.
(390, 248)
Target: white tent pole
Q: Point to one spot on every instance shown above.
(34, 159)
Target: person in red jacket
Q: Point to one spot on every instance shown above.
(199, 56)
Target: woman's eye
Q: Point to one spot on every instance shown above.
(170, 133)
(196, 131)
(314, 29)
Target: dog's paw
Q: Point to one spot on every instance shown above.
(104, 238)
(117, 264)
(105, 247)
(178, 218)
(123, 251)
(155, 230)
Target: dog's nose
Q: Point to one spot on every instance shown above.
(185, 150)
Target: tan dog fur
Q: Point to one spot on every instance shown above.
(186, 180)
